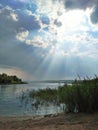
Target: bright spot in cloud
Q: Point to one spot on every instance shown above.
(72, 19)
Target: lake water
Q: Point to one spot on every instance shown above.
(12, 105)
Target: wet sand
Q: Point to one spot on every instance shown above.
(51, 122)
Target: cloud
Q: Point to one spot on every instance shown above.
(14, 16)
(22, 35)
(1, 6)
(17, 19)
(17, 55)
(44, 19)
(94, 15)
(8, 14)
(50, 11)
(37, 41)
(79, 4)
(26, 21)
(81, 45)
(83, 5)
(8, 23)
(15, 27)
(10, 70)
(57, 23)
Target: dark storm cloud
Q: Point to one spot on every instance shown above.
(79, 4)
(94, 15)
(84, 4)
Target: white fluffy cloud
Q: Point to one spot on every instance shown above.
(37, 42)
(22, 35)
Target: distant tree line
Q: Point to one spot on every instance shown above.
(6, 79)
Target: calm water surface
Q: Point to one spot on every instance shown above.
(12, 105)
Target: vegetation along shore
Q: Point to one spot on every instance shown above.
(81, 96)
(13, 79)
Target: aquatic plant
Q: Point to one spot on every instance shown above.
(81, 96)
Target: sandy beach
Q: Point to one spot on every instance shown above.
(51, 122)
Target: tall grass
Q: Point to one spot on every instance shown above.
(44, 94)
(81, 96)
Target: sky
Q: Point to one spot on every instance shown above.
(49, 39)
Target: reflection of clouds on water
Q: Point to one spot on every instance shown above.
(14, 100)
